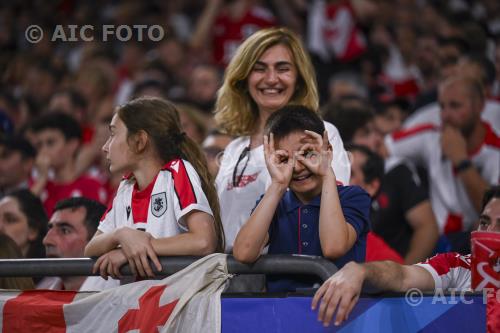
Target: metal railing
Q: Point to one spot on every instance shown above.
(267, 264)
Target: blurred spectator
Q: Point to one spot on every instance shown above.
(71, 226)
(334, 32)
(23, 219)
(6, 125)
(150, 87)
(448, 52)
(10, 115)
(427, 62)
(40, 82)
(496, 57)
(462, 157)
(202, 87)
(477, 68)
(356, 124)
(345, 85)
(193, 122)
(58, 138)
(401, 212)
(334, 35)
(9, 250)
(17, 157)
(172, 55)
(223, 25)
(72, 102)
(94, 134)
(95, 81)
(213, 146)
(391, 115)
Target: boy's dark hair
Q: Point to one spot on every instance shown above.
(374, 166)
(19, 144)
(293, 118)
(348, 119)
(492, 192)
(94, 211)
(62, 122)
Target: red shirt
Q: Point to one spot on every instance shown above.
(229, 33)
(83, 186)
(377, 249)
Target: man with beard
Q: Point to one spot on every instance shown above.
(71, 226)
(462, 156)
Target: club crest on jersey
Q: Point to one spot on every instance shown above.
(159, 204)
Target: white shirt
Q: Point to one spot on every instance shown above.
(430, 114)
(238, 201)
(449, 199)
(158, 209)
(91, 283)
(449, 271)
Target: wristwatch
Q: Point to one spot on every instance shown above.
(462, 166)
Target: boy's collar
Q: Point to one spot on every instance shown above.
(292, 202)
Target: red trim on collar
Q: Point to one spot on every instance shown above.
(490, 139)
(401, 134)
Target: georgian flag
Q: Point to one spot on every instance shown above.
(486, 273)
(188, 301)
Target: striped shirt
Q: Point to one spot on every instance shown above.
(160, 208)
(449, 270)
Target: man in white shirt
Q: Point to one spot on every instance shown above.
(462, 157)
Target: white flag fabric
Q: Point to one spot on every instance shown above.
(188, 301)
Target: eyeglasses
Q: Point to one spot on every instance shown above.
(244, 153)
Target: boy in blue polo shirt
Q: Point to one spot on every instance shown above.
(304, 210)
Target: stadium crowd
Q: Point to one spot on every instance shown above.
(409, 88)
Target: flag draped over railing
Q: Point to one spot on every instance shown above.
(188, 301)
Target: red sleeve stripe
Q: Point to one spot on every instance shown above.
(401, 134)
(110, 206)
(444, 262)
(491, 139)
(182, 184)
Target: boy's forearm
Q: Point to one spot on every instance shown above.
(333, 229)
(252, 236)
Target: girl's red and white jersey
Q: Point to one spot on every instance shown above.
(449, 270)
(449, 198)
(160, 208)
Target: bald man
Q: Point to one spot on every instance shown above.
(462, 156)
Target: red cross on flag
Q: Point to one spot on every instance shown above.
(188, 301)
